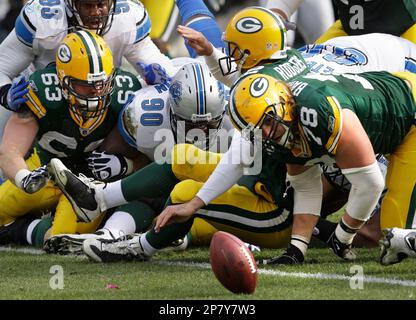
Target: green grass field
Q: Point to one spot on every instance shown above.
(187, 275)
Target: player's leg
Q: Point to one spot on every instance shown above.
(410, 34)
(238, 211)
(135, 216)
(89, 198)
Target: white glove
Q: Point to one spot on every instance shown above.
(32, 181)
(105, 166)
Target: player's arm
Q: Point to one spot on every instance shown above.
(285, 8)
(212, 55)
(18, 137)
(142, 49)
(355, 156)
(14, 58)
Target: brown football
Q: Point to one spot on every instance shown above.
(233, 263)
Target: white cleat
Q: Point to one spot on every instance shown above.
(397, 244)
(72, 243)
(126, 248)
(84, 194)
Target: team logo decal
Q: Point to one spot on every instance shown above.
(259, 87)
(249, 25)
(175, 91)
(64, 53)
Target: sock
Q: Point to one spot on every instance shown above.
(324, 229)
(30, 229)
(15, 232)
(148, 249)
(39, 231)
(300, 242)
(135, 216)
(344, 232)
(203, 21)
(154, 180)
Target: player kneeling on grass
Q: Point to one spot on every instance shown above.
(71, 108)
(317, 120)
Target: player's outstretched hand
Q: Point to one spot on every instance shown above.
(196, 40)
(178, 213)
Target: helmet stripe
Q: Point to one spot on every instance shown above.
(94, 57)
(280, 22)
(200, 89)
(235, 117)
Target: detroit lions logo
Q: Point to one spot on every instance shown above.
(249, 25)
(175, 91)
(64, 53)
(259, 87)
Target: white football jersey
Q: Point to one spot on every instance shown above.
(143, 117)
(42, 25)
(356, 54)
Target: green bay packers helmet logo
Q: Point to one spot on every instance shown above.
(258, 87)
(64, 53)
(249, 25)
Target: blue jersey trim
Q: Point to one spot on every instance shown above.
(143, 28)
(24, 33)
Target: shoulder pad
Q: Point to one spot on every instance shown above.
(131, 17)
(132, 120)
(41, 21)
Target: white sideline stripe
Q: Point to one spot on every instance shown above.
(204, 265)
(326, 276)
(22, 250)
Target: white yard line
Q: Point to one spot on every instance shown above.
(326, 276)
(269, 272)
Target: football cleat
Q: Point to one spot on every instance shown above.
(292, 256)
(84, 194)
(341, 249)
(72, 243)
(396, 245)
(126, 248)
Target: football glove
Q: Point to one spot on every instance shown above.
(154, 73)
(16, 93)
(105, 166)
(32, 181)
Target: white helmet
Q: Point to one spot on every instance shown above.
(197, 101)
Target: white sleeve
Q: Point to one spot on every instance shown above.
(287, 6)
(147, 52)
(213, 64)
(14, 58)
(228, 171)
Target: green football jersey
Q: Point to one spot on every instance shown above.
(384, 16)
(285, 69)
(272, 179)
(59, 134)
(383, 103)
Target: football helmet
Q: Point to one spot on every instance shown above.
(260, 99)
(85, 69)
(254, 34)
(83, 20)
(196, 101)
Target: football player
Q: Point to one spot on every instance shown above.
(318, 121)
(256, 39)
(42, 24)
(192, 110)
(71, 108)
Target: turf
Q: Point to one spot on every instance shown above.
(187, 275)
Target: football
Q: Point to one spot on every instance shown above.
(233, 263)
